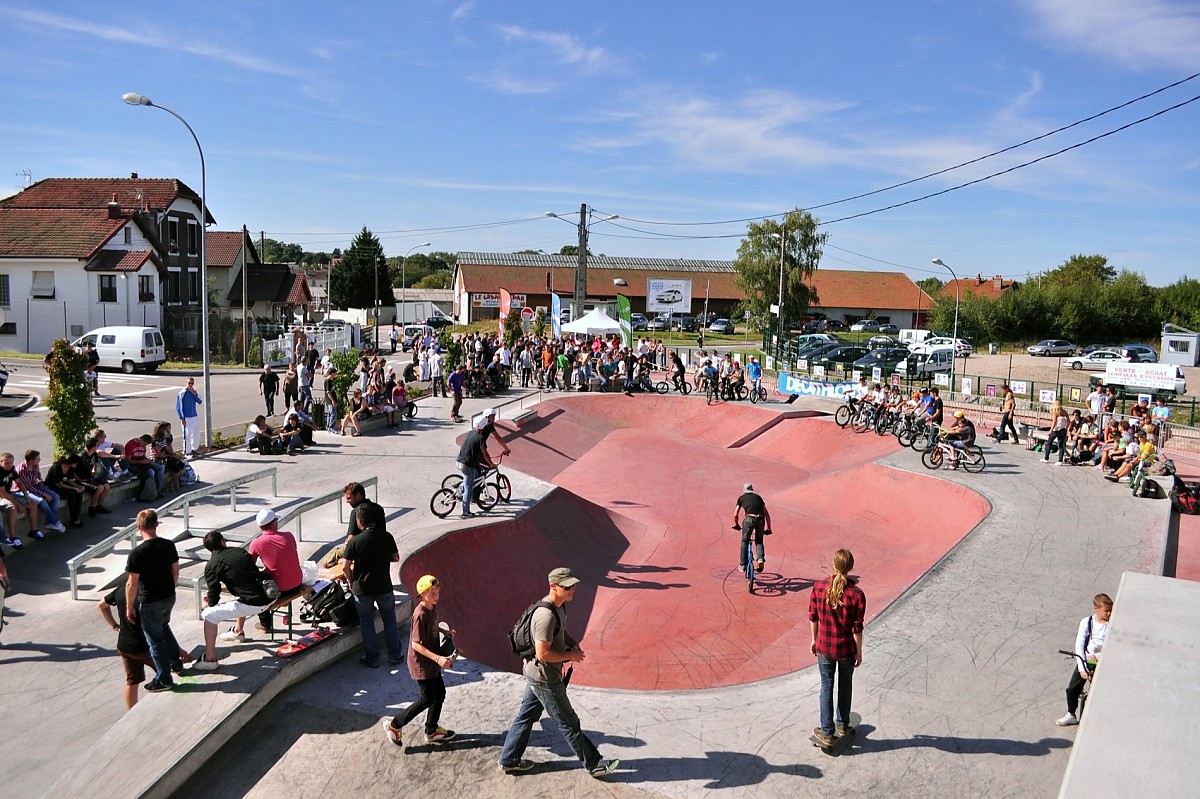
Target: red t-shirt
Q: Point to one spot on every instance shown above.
(135, 449)
(277, 550)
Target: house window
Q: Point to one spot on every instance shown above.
(173, 286)
(5, 292)
(193, 287)
(193, 237)
(108, 288)
(173, 236)
(128, 235)
(43, 286)
(145, 288)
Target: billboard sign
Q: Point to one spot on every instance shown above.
(492, 300)
(669, 295)
(1158, 376)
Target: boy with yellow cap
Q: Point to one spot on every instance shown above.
(427, 656)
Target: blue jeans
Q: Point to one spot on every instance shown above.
(330, 416)
(470, 475)
(305, 398)
(751, 525)
(156, 625)
(845, 692)
(365, 605)
(552, 697)
(1059, 436)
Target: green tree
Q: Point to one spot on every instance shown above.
(71, 415)
(1081, 270)
(346, 363)
(1179, 303)
(514, 328)
(434, 280)
(758, 264)
(539, 322)
(931, 286)
(361, 276)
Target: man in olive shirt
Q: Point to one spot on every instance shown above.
(367, 566)
(153, 568)
(234, 568)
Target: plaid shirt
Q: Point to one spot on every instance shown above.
(836, 628)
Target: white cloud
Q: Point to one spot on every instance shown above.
(506, 84)
(1138, 33)
(462, 11)
(560, 48)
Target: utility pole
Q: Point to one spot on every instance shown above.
(581, 270)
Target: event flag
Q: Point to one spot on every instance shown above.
(556, 315)
(625, 316)
(505, 307)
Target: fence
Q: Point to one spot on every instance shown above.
(281, 350)
(130, 533)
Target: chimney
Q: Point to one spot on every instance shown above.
(133, 176)
(114, 207)
(998, 282)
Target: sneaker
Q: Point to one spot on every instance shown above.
(57, 527)
(824, 738)
(154, 687)
(204, 664)
(363, 660)
(601, 770)
(396, 661)
(232, 635)
(1061, 463)
(741, 567)
(843, 729)
(518, 767)
(439, 736)
(758, 567)
(102, 509)
(37, 535)
(1068, 720)
(394, 735)
(467, 515)
(264, 630)
(1124, 479)
(15, 543)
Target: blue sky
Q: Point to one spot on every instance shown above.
(437, 120)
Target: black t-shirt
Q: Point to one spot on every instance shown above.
(936, 416)
(7, 478)
(234, 567)
(329, 392)
(151, 561)
(752, 503)
(130, 640)
(57, 474)
(371, 510)
(371, 555)
(966, 433)
(270, 383)
(471, 451)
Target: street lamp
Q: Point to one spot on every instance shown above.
(133, 98)
(957, 300)
(580, 294)
(375, 326)
(404, 278)
(782, 236)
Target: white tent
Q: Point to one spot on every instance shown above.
(594, 323)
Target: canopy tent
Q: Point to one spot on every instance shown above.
(594, 323)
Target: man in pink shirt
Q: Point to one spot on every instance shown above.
(277, 550)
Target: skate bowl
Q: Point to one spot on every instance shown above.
(642, 512)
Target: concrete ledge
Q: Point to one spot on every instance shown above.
(155, 748)
(525, 416)
(116, 495)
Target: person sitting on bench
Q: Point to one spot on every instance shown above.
(277, 550)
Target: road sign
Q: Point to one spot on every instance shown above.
(747, 316)
(527, 314)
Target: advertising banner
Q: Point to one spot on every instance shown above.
(1158, 376)
(556, 315)
(492, 300)
(506, 302)
(625, 317)
(669, 295)
(813, 388)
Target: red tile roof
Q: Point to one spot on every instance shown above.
(54, 232)
(222, 248)
(868, 290)
(132, 193)
(120, 260)
(989, 288)
(300, 293)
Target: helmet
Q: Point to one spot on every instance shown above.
(958, 414)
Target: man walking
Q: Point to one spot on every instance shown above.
(153, 568)
(366, 565)
(544, 685)
(437, 371)
(428, 653)
(268, 388)
(456, 388)
(394, 337)
(187, 408)
(234, 568)
(304, 378)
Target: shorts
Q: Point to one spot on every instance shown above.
(135, 667)
(232, 609)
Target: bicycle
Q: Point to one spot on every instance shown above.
(1090, 668)
(758, 393)
(444, 500)
(679, 384)
(970, 457)
(846, 412)
(503, 486)
(731, 392)
(750, 570)
(863, 418)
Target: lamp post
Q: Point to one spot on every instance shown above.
(375, 326)
(782, 236)
(954, 335)
(580, 295)
(133, 98)
(404, 277)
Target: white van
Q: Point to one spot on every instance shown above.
(939, 360)
(126, 348)
(412, 335)
(912, 336)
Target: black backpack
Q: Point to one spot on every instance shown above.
(329, 605)
(520, 637)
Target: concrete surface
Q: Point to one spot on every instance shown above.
(959, 685)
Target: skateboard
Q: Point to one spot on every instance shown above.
(307, 642)
(841, 743)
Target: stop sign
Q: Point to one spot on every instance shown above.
(527, 314)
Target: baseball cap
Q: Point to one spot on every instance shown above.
(563, 576)
(425, 583)
(747, 487)
(265, 517)
(479, 422)
(489, 412)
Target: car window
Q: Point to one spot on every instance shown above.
(108, 339)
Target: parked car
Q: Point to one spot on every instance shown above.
(865, 326)
(1144, 352)
(662, 322)
(126, 348)
(721, 326)
(332, 323)
(1052, 346)
(638, 321)
(816, 349)
(437, 322)
(841, 354)
(687, 324)
(893, 329)
(706, 319)
(1089, 349)
(1095, 359)
(411, 335)
(927, 363)
(962, 348)
(883, 341)
(831, 324)
(885, 358)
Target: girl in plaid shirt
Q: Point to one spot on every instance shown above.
(836, 611)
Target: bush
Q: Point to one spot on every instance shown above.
(72, 416)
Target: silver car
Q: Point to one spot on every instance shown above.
(1052, 346)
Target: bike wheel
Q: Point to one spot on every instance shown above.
(972, 460)
(842, 417)
(452, 482)
(750, 569)
(932, 459)
(883, 425)
(921, 442)
(410, 411)
(685, 388)
(505, 488)
(756, 395)
(862, 420)
(739, 393)
(442, 502)
(708, 394)
(487, 496)
(663, 387)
